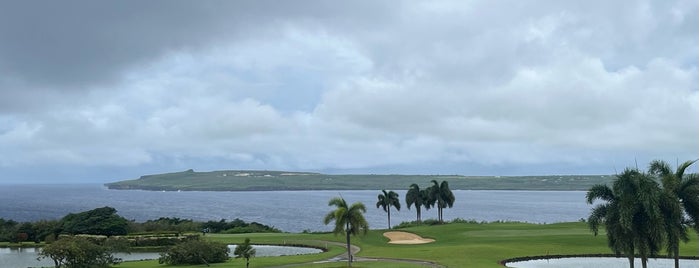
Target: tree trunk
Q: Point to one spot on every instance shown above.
(644, 262)
(349, 250)
(677, 258)
(389, 218)
(631, 262)
(247, 262)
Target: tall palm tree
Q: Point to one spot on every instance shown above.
(417, 197)
(426, 200)
(245, 251)
(386, 200)
(680, 196)
(630, 213)
(607, 214)
(349, 220)
(442, 196)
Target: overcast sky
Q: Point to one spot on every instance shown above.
(99, 91)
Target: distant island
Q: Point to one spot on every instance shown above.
(263, 180)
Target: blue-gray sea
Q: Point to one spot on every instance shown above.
(290, 211)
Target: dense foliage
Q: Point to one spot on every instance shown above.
(195, 252)
(640, 216)
(99, 221)
(237, 226)
(680, 198)
(15, 232)
(165, 225)
(80, 252)
(104, 221)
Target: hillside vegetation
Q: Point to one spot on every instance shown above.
(255, 180)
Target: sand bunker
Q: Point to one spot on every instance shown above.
(406, 238)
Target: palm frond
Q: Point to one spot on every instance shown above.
(601, 192)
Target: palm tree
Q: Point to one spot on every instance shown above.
(245, 251)
(417, 197)
(607, 214)
(680, 196)
(631, 215)
(442, 196)
(349, 220)
(386, 200)
(426, 200)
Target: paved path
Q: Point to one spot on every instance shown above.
(355, 249)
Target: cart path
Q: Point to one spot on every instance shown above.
(355, 249)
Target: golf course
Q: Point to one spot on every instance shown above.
(460, 244)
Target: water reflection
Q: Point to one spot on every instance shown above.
(26, 257)
(597, 262)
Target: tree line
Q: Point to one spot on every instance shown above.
(105, 221)
(646, 212)
(90, 238)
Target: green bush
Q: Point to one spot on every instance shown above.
(472, 221)
(195, 252)
(407, 224)
(251, 228)
(79, 252)
(158, 240)
(237, 226)
(99, 221)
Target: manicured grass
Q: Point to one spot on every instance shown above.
(483, 245)
(255, 263)
(366, 264)
(457, 245)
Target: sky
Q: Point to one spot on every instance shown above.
(101, 91)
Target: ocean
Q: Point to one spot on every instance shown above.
(290, 211)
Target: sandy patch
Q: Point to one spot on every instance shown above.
(406, 238)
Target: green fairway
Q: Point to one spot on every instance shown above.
(457, 245)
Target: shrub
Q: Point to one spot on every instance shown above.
(79, 252)
(460, 220)
(158, 240)
(99, 221)
(195, 252)
(431, 222)
(407, 224)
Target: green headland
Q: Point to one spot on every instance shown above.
(261, 180)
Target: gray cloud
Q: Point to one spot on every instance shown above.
(79, 43)
(449, 87)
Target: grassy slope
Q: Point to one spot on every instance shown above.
(457, 245)
(277, 180)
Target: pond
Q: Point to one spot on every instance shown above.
(270, 251)
(596, 262)
(26, 257)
